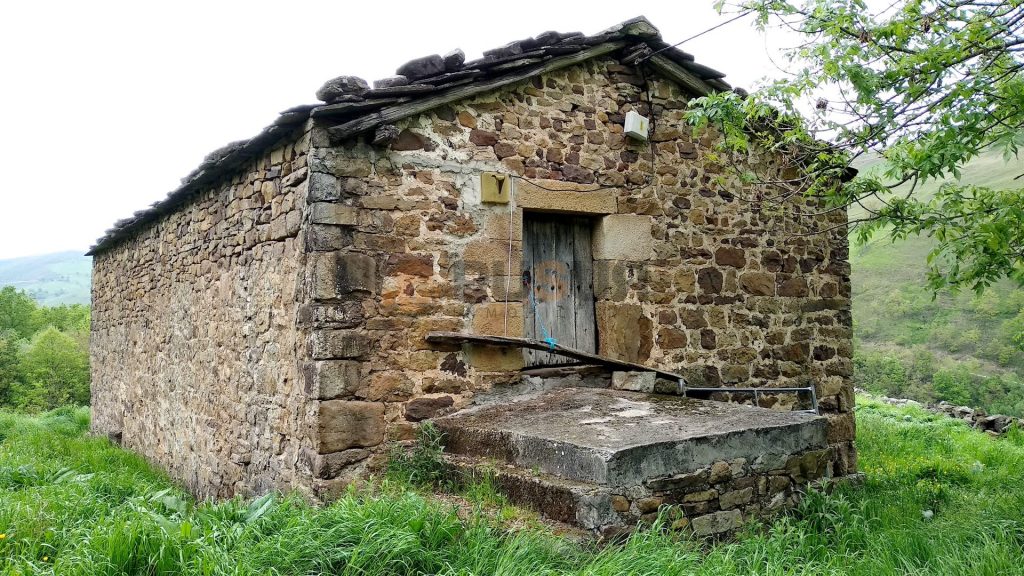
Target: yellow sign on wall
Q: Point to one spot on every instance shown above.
(495, 188)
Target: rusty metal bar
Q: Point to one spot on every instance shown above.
(684, 389)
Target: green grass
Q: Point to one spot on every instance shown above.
(72, 504)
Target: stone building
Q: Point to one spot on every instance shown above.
(312, 294)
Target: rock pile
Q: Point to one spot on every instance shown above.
(994, 424)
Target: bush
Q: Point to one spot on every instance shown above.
(953, 385)
(54, 372)
(44, 357)
(17, 313)
(918, 374)
(8, 364)
(880, 373)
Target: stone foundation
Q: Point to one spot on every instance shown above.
(606, 460)
(701, 503)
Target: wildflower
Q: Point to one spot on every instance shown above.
(2, 536)
(46, 558)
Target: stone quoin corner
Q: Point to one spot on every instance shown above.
(313, 294)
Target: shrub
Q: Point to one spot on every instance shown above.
(8, 364)
(17, 312)
(953, 385)
(54, 372)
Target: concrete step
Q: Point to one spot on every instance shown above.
(619, 440)
(580, 504)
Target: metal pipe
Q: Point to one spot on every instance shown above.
(684, 389)
(751, 389)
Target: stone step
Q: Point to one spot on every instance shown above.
(580, 504)
(619, 440)
(714, 507)
(605, 460)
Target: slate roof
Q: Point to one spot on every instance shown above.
(352, 107)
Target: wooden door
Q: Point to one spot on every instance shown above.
(558, 285)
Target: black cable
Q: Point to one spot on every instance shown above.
(698, 35)
(654, 128)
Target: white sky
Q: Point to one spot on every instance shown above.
(106, 105)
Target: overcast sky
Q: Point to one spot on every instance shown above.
(106, 105)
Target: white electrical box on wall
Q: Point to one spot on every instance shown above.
(636, 125)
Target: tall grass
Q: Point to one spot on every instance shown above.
(71, 504)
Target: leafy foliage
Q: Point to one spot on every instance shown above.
(66, 318)
(8, 364)
(17, 313)
(54, 370)
(920, 375)
(44, 355)
(906, 336)
(953, 386)
(928, 85)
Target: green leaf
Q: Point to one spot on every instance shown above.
(259, 507)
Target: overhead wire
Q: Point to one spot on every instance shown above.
(601, 186)
(698, 35)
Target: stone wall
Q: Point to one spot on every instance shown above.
(195, 336)
(721, 497)
(691, 272)
(712, 501)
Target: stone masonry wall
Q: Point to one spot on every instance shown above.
(195, 337)
(711, 501)
(691, 272)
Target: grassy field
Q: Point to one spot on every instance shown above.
(939, 499)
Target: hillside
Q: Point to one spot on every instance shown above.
(939, 499)
(905, 337)
(52, 279)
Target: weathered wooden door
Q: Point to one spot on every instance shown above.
(558, 285)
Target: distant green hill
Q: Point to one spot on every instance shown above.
(965, 339)
(52, 279)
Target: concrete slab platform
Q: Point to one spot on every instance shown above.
(618, 439)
